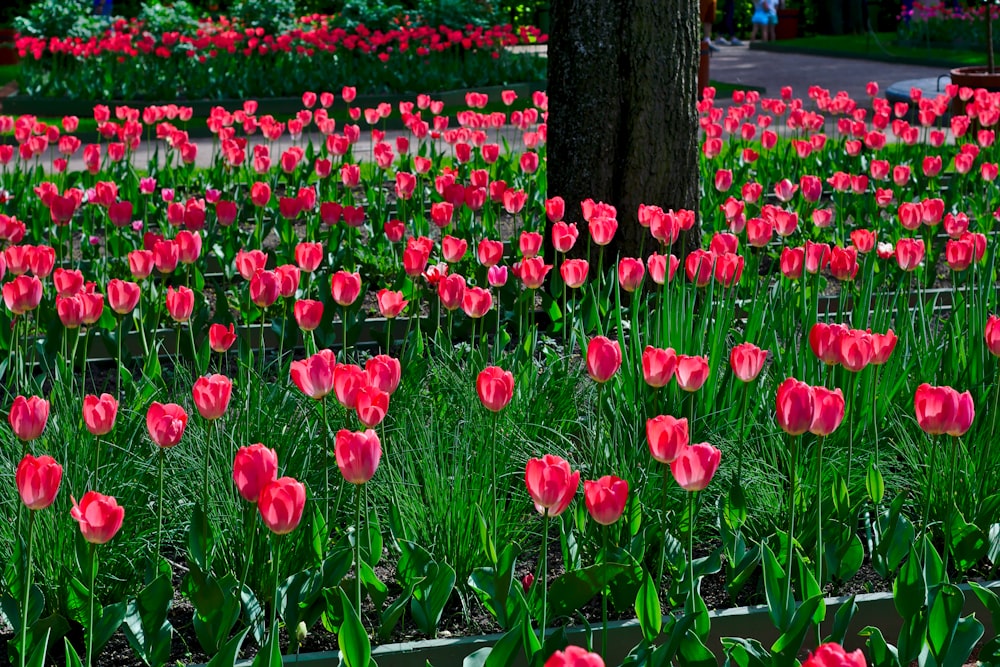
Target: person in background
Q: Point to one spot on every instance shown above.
(707, 10)
(765, 17)
(729, 24)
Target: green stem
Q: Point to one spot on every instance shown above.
(819, 511)
(741, 443)
(545, 572)
(357, 549)
(93, 598)
(276, 550)
(691, 583)
(493, 487)
(251, 534)
(930, 488)
(159, 504)
(343, 320)
(597, 431)
(208, 458)
(604, 593)
(194, 349)
(791, 511)
(663, 518)
(326, 468)
(27, 592)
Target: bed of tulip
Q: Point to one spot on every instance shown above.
(811, 390)
(225, 60)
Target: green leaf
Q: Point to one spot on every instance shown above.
(648, 610)
(37, 657)
(874, 483)
(506, 650)
(269, 654)
(693, 653)
(942, 618)
(72, 659)
(779, 606)
(842, 622)
(967, 634)
(575, 588)
(882, 653)
(229, 654)
(909, 590)
(110, 620)
(355, 647)
(967, 542)
(201, 540)
(790, 641)
(392, 613)
(430, 597)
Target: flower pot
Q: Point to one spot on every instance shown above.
(973, 77)
(8, 54)
(788, 24)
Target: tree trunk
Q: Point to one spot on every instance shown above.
(622, 125)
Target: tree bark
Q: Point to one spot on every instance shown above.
(623, 127)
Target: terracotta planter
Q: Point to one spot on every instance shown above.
(973, 77)
(8, 54)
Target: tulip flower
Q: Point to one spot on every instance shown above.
(574, 272)
(254, 467)
(855, 350)
(99, 413)
(348, 380)
(747, 361)
(942, 410)
(358, 454)
(308, 314)
(123, 296)
(390, 304)
(211, 395)
(882, 347)
(451, 290)
(992, 335)
(221, 338)
(345, 287)
(166, 423)
(371, 404)
(834, 655)
(180, 303)
(574, 656)
(28, 416)
(604, 358)
(795, 406)
(99, 516)
(695, 466)
(658, 366)
(314, 375)
(495, 388)
(37, 481)
(605, 498)
(264, 288)
(828, 411)
(692, 372)
(281, 503)
(383, 372)
(666, 436)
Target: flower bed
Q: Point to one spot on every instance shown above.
(395, 494)
(224, 60)
(940, 25)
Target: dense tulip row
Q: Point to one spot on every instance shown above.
(807, 368)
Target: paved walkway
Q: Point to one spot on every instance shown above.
(772, 70)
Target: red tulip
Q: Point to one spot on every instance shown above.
(863, 240)
(70, 311)
(795, 405)
(692, 372)
(828, 411)
(260, 194)
(747, 361)
(345, 287)
(630, 273)
(100, 517)
(574, 272)
(602, 229)
(533, 271)
(495, 388)
(943, 410)
(551, 484)
(123, 296)
(489, 253)
(348, 380)
(188, 246)
(555, 209)
(38, 481)
(882, 346)
(604, 358)
(909, 253)
(658, 366)
(67, 282)
(390, 303)
(249, 263)
(371, 404)
(141, 263)
(221, 338)
(180, 303)
(699, 265)
(254, 468)
(855, 349)
(695, 466)
(22, 294)
(308, 314)
(662, 268)
(287, 276)
(824, 339)
(211, 395)
(817, 256)
(574, 656)
(308, 256)
(530, 243)
(792, 262)
(476, 302)
(28, 416)
(666, 437)
(993, 335)
(264, 288)
(451, 290)
(166, 255)
(99, 414)
(166, 423)
(833, 655)
(605, 498)
(281, 503)
(844, 263)
(358, 454)
(728, 269)
(383, 372)
(314, 375)
(453, 249)
(564, 236)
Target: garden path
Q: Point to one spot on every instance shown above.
(771, 70)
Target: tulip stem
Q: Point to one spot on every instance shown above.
(194, 349)
(692, 587)
(326, 467)
(819, 510)
(850, 427)
(208, 459)
(952, 499)
(93, 598)
(118, 360)
(545, 572)
(793, 446)
(742, 433)
(493, 487)
(251, 534)
(604, 592)
(27, 592)
(930, 489)
(597, 430)
(276, 557)
(159, 511)
(357, 549)
(343, 322)
(663, 518)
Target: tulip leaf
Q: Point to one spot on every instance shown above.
(355, 647)
(107, 624)
(779, 606)
(648, 610)
(505, 651)
(882, 653)
(943, 617)
(842, 622)
(254, 613)
(790, 641)
(269, 654)
(874, 483)
(967, 542)
(229, 653)
(431, 595)
(72, 658)
(201, 540)
(742, 652)
(392, 614)
(37, 657)
(693, 652)
(574, 589)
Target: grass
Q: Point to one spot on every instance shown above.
(880, 46)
